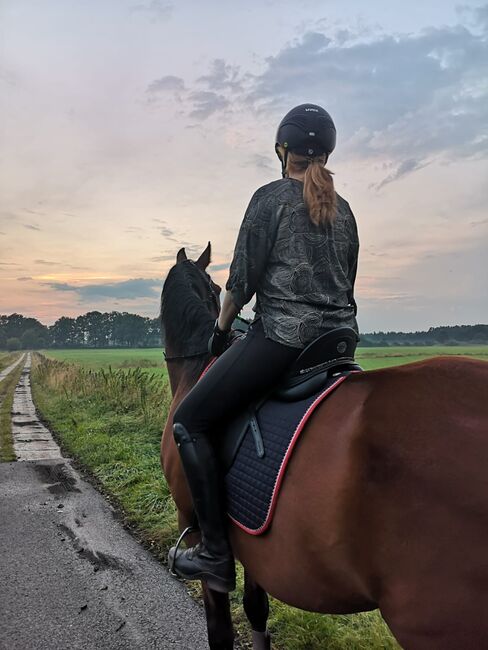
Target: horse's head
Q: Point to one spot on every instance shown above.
(190, 304)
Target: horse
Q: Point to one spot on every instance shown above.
(384, 503)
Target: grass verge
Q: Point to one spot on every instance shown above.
(7, 389)
(7, 358)
(111, 422)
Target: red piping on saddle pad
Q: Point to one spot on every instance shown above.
(284, 462)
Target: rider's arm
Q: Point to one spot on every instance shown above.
(251, 252)
(228, 312)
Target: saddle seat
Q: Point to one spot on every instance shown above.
(331, 353)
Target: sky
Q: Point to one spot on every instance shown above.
(131, 128)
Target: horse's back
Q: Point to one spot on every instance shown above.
(386, 499)
(424, 475)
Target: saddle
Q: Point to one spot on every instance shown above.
(257, 444)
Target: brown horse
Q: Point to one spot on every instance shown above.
(384, 503)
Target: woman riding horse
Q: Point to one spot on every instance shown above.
(297, 250)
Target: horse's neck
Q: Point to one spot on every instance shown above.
(176, 373)
(183, 375)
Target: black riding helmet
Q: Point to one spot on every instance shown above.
(307, 130)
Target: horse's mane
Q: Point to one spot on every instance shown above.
(186, 322)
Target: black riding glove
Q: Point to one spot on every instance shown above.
(219, 341)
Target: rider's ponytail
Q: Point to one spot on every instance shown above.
(318, 187)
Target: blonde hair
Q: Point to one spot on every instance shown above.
(318, 186)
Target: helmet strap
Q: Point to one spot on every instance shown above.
(283, 164)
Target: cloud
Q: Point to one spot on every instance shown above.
(222, 76)
(219, 267)
(125, 290)
(169, 83)
(157, 10)
(206, 103)
(481, 17)
(165, 230)
(24, 279)
(8, 216)
(412, 94)
(47, 263)
(164, 258)
(192, 250)
(69, 266)
(31, 226)
(9, 264)
(404, 98)
(222, 79)
(261, 162)
(481, 222)
(404, 168)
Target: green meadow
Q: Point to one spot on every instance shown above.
(108, 409)
(369, 358)
(115, 358)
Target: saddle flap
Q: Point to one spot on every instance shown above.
(256, 468)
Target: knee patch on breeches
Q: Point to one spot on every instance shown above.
(181, 434)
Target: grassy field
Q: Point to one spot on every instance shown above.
(97, 359)
(111, 421)
(152, 358)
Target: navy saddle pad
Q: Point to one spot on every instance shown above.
(254, 479)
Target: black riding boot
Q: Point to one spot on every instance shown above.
(212, 559)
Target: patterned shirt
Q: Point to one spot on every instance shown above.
(302, 274)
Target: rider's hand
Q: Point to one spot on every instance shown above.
(219, 341)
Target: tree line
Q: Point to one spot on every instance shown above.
(91, 330)
(123, 330)
(446, 335)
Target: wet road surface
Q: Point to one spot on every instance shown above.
(71, 577)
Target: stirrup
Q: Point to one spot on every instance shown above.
(187, 531)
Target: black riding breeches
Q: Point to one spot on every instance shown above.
(246, 371)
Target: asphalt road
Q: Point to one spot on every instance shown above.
(32, 441)
(71, 577)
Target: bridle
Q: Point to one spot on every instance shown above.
(212, 299)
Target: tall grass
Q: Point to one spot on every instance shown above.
(7, 358)
(111, 421)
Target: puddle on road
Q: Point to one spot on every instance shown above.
(58, 477)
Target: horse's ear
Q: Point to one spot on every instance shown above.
(204, 260)
(181, 256)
